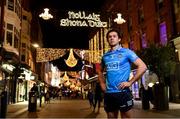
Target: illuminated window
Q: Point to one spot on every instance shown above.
(163, 33)
(144, 41)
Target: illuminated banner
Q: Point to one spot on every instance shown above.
(83, 19)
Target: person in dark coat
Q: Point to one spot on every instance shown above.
(34, 88)
(97, 96)
(90, 97)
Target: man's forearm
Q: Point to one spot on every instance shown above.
(102, 81)
(138, 75)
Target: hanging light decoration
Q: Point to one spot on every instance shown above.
(72, 86)
(71, 61)
(65, 77)
(46, 15)
(49, 54)
(67, 83)
(119, 19)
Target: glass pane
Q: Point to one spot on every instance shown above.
(11, 5)
(163, 33)
(9, 38)
(10, 27)
(16, 41)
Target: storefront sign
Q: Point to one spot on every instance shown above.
(82, 19)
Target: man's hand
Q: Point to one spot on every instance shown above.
(125, 85)
(103, 87)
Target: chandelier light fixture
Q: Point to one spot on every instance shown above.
(119, 19)
(65, 77)
(46, 15)
(67, 83)
(71, 61)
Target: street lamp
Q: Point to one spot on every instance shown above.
(35, 45)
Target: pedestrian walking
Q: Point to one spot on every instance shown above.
(60, 95)
(117, 65)
(90, 97)
(98, 97)
(47, 97)
(34, 88)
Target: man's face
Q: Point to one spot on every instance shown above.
(113, 39)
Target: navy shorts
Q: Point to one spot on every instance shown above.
(118, 101)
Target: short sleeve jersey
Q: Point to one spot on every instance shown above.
(118, 67)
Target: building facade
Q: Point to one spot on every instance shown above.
(147, 22)
(18, 70)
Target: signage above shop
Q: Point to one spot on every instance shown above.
(83, 19)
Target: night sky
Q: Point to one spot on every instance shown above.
(55, 36)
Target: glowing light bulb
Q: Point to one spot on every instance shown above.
(46, 15)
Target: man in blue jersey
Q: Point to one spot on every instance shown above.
(117, 65)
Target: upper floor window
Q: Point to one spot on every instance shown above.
(9, 34)
(16, 42)
(129, 24)
(129, 4)
(10, 4)
(140, 15)
(176, 6)
(163, 33)
(0, 15)
(160, 3)
(23, 58)
(24, 45)
(18, 8)
(10, 27)
(9, 37)
(144, 40)
(131, 43)
(24, 17)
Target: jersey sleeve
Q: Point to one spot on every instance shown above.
(132, 56)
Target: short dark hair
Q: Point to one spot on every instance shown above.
(119, 33)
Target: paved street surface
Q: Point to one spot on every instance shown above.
(76, 108)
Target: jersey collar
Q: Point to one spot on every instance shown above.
(117, 49)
